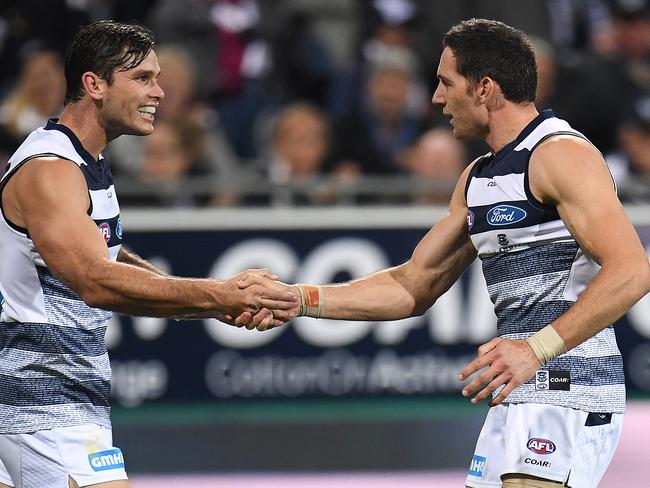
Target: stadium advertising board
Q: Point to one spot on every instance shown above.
(163, 360)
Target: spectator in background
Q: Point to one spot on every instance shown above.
(168, 157)
(436, 162)
(581, 24)
(298, 148)
(388, 28)
(630, 165)
(52, 22)
(579, 89)
(371, 137)
(632, 41)
(232, 57)
(37, 96)
(181, 108)
(301, 68)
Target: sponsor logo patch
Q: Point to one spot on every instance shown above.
(540, 446)
(477, 465)
(537, 462)
(552, 380)
(541, 380)
(118, 228)
(505, 215)
(470, 219)
(105, 229)
(101, 461)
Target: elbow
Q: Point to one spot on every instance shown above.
(639, 279)
(420, 307)
(646, 279)
(91, 291)
(93, 297)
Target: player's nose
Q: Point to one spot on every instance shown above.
(437, 98)
(157, 91)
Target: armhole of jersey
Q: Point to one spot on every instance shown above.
(529, 194)
(472, 172)
(14, 170)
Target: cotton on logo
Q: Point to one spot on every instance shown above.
(541, 446)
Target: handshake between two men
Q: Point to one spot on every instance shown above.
(265, 302)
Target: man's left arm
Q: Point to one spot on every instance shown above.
(570, 174)
(129, 257)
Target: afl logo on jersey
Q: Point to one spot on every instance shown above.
(105, 229)
(505, 215)
(470, 219)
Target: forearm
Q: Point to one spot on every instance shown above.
(406, 290)
(133, 290)
(612, 292)
(379, 296)
(128, 257)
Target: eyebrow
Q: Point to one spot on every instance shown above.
(142, 71)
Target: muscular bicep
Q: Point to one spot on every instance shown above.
(570, 173)
(49, 198)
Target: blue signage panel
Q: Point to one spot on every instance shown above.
(164, 360)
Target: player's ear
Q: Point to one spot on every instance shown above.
(490, 94)
(93, 85)
(485, 89)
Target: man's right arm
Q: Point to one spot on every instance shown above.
(412, 287)
(49, 197)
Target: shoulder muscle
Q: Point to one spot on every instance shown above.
(43, 186)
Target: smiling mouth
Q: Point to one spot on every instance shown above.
(147, 112)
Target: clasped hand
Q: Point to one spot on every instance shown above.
(263, 302)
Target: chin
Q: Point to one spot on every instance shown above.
(139, 131)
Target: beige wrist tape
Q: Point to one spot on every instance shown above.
(312, 300)
(546, 344)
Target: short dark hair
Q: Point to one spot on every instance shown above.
(490, 48)
(101, 47)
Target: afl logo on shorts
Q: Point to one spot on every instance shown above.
(541, 446)
(105, 229)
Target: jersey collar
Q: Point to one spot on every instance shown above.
(52, 124)
(532, 125)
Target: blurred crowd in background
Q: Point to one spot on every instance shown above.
(327, 102)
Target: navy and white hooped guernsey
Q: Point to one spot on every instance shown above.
(535, 271)
(54, 367)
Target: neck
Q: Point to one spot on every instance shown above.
(506, 123)
(83, 121)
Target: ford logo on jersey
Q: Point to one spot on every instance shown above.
(505, 215)
(541, 446)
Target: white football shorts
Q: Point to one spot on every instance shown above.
(554, 443)
(47, 458)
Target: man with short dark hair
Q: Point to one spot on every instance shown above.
(62, 266)
(561, 260)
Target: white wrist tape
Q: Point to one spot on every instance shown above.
(312, 300)
(546, 344)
